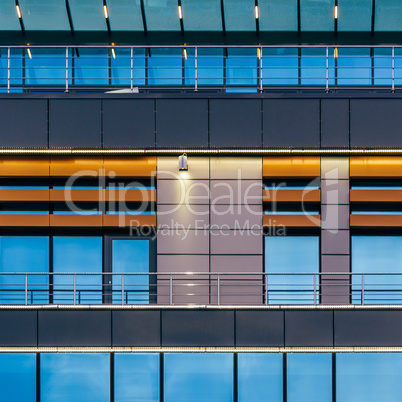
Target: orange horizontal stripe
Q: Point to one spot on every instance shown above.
(131, 195)
(291, 195)
(291, 166)
(376, 220)
(292, 220)
(24, 195)
(376, 195)
(24, 220)
(375, 166)
(129, 220)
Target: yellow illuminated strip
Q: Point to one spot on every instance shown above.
(336, 12)
(180, 12)
(18, 11)
(105, 12)
(257, 12)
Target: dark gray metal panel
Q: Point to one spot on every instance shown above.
(75, 123)
(74, 328)
(128, 123)
(182, 123)
(23, 123)
(335, 123)
(291, 122)
(308, 328)
(368, 328)
(375, 122)
(260, 328)
(18, 328)
(235, 122)
(136, 328)
(197, 328)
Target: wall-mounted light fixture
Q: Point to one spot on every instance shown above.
(183, 166)
(180, 12)
(17, 7)
(113, 52)
(29, 51)
(257, 12)
(336, 12)
(105, 10)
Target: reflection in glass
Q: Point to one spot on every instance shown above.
(202, 15)
(121, 67)
(136, 377)
(125, 15)
(313, 65)
(388, 16)
(354, 66)
(280, 66)
(241, 67)
(24, 254)
(91, 67)
(260, 377)
(87, 15)
(368, 377)
(309, 377)
(130, 257)
(18, 377)
(293, 255)
(75, 377)
(355, 15)
(77, 254)
(198, 377)
(278, 15)
(162, 15)
(239, 15)
(165, 67)
(317, 15)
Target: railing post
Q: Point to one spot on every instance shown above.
(266, 288)
(327, 71)
(362, 289)
(122, 290)
(66, 69)
(315, 289)
(196, 70)
(219, 290)
(26, 289)
(75, 288)
(261, 86)
(9, 70)
(132, 70)
(393, 70)
(171, 289)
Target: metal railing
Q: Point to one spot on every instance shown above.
(201, 288)
(198, 68)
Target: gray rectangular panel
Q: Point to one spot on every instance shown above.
(74, 328)
(197, 328)
(182, 123)
(128, 123)
(75, 123)
(23, 123)
(235, 122)
(291, 123)
(335, 123)
(18, 328)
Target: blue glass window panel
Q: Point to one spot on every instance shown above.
(354, 15)
(317, 15)
(125, 15)
(91, 67)
(210, 66)
(198, 377)
(165, 67)
(202, 15)
(260, 377)
(75, 377)
(388, 15)
(293, 255)
(3, 66)
(354, 66)
(376, 254)
(18, 377)
(130, 256)
(280, 66)
(162, 15)
(16, 57)
(309, 377)
(241, 90)
(22, 254)
(398, 66)
(136, 377)
(8, 16)
(368, 377)
(77, 254)
(383, 66)
(189, 67)
(87, 15)
(241, 67)
(47, 67)
(44, 15)
(278, 15)
(314, 67)
(239, 15)
(121, 67)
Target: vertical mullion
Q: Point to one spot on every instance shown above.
(161, 377)
(333, 377)
(111, 355)
(235, 377)
(284, 377)
(37, 377)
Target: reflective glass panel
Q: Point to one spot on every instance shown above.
(8, 16)
(165, 67)
(18, 377)
(210, 66)
(376, 254)
(121, 67)
(77, 254)
(368, 377)
(280, 66)
(260, 377)
(125, 15)
(398, 66)
(388, 15)
(241, 67)
(383, 66)
(136, 377)
(354, 66)
(198, 377)
(313, 65)
(88, 15)
(354, 15)
(317, 15)
(91, 67)
(73, 377)
(24, 254)
(202, 15)
(130, 257)
(292, 255)
(309, 377)
(44, 15)
(162, 15)
(278, 15)
(239, 15)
